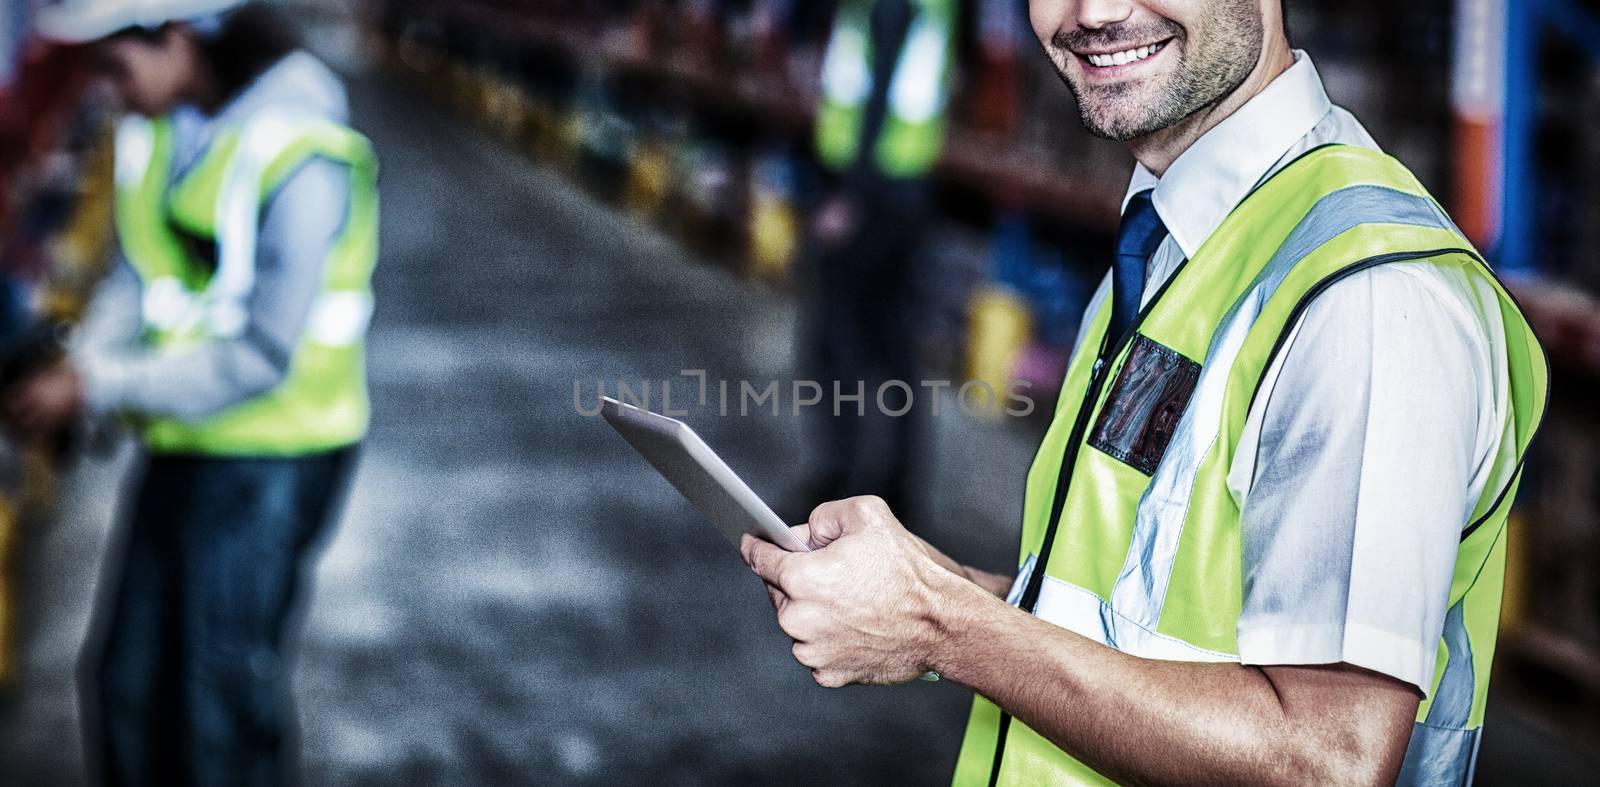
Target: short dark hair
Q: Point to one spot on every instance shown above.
(253, 38)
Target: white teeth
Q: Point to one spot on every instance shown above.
(1124, 57)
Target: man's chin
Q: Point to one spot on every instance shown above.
(1119, 112)
(1117, 128)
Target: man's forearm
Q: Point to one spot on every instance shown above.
(1141, 720)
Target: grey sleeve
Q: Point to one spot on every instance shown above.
(299, 225)
(110, 324)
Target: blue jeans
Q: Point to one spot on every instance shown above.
(190, 682)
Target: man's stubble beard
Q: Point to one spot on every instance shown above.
(1201, 78)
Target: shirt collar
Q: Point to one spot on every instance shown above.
(1218, 171)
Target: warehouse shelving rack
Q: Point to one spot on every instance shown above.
(1550, 635)
(1028, 177)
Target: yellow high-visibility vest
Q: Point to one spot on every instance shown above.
(322, 403)
(1131, 536)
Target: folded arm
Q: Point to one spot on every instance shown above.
(299, 227)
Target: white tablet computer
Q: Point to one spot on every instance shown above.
(679, 454)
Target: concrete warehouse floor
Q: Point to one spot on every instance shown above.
(513, 596)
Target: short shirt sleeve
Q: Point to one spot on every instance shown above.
(1365, 453)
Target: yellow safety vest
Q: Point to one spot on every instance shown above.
(913, 131)
(322, 403)
(1131, 536)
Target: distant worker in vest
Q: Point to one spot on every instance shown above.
(233, 335)
(1263, 540)
(879, 132)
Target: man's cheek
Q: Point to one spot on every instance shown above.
(1046, 17)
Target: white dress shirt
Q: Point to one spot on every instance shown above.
(1375, 430)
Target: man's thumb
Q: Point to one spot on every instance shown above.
(763, 558)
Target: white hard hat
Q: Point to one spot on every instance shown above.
(80, 21)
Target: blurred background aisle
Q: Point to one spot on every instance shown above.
(576, 192)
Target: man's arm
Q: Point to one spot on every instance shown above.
(875, 607)
(299, 226)
(110, 323)
(1143, 720)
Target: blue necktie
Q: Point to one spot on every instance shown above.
(1138, 236)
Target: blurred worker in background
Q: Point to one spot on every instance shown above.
(879, 131)
(1264, 537)
(233, 335)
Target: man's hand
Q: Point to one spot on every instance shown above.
(45, 402)
(861, 607)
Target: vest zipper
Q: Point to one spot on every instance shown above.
(1097, 374)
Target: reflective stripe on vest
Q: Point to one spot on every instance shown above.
(322, 403)
(913, 131)
(1147, 560)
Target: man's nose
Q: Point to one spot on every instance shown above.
(1095, 14)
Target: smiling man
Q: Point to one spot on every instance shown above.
(1264, 536)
